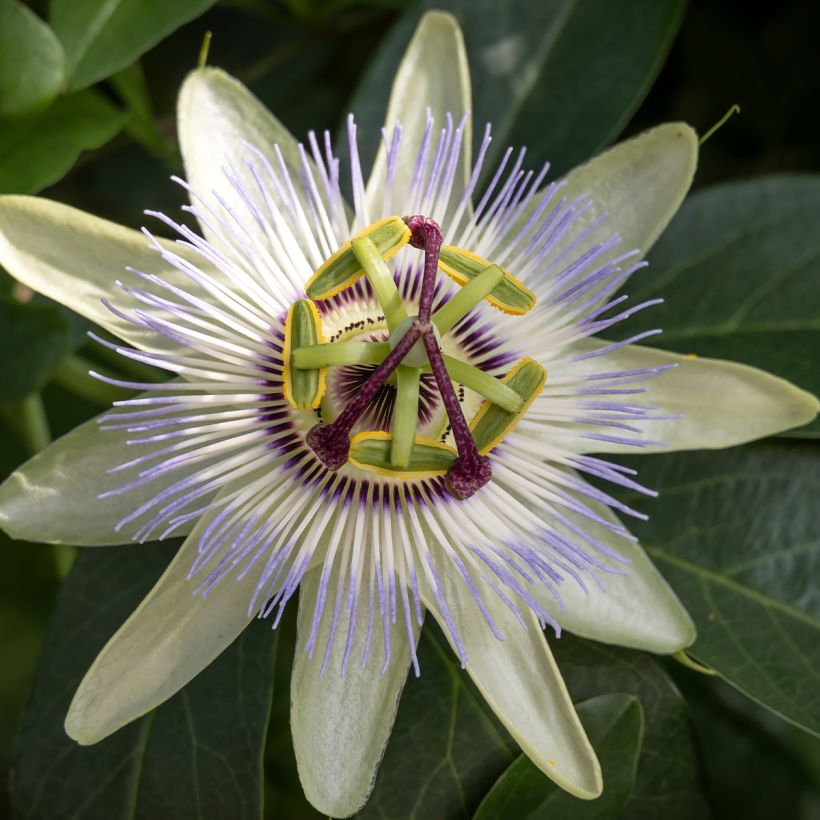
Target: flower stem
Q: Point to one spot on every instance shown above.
(32, 423)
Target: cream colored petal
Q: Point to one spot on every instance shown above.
(637, 609)
(171, 637)
(434, 75)
(76, 259)
(520, 681)
(722, 403)
(341, 722)
(637, 186)
(223, 127)
(53, 497)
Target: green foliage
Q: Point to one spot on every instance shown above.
(446, 747)
(614, 724)
(733, 531)
(37, 338)
(31, 60)
(737, 539)
(738, 269)
(562, 78)
(37, 150)
(101, 38)
(667, 774)
(199, 754)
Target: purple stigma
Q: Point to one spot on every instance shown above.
(425, 234)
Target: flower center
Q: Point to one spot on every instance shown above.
(413, 348)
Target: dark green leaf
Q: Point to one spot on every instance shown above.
(614, 724)
(35, 340)
(38, 150)
(666, 783)
(739, 269)
(446, 747)
(738, 540)
(198, 755)
(101, 38)
(31, 60)
(562, 77)
(754, 764)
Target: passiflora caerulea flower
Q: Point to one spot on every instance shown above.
(387, 405)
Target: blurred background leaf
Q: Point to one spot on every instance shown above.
(36, 338)
(739, 269)
(614, 725)
(447, 747)
(110, 149)
(39, 149)
(667, 782)
(755, 765)
(31, 60)
(198, 755)
(561, 77)
(101, 38)
(737, 537)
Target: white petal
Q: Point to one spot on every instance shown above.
(76, 259)
(520, 681)
(639, 183)
(636, 186)
(341, 722)
(723, 403)
(638, 609)
(434, 75)
(53, 497)
(220, 123)
(171, 637)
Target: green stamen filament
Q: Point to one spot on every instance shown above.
(405, 415)
(339, 354)
(381, 280)
(491, 388)
(466, 298)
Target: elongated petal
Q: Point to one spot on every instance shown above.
(639, 184)
(53, 497)
(170, 638)
(433, 79)
(636, 609)
(635, 188)
(521, 682)
(722, 403)
(241, 161)
(76, 259)
(341, 722)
